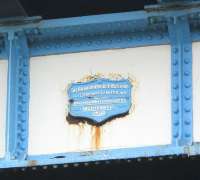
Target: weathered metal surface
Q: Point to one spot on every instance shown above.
(149, 67)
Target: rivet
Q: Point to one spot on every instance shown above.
(22, 117)
(119, 24)
(19, 116)
(25, 63)
(187, 110)
(22, 136)
(96, 162)
(151, 20)
(23, 127)
(175, 50)
(175, 73)
(76, 164)
(175, 62)
(25, 81)
(175, 86)
(107, 162)
(175, 135)
(187, 135)
(187, 97)
(17, 154)
(187, 122)
(119, 40)
(186, 73)
(20, 57)
(186, 61)
(182, 18)
(20, 98)
(34, 168)
(45, 167)
(20, 79)
(18, 134)
(24, 99)
(22, 89)
(187, 85)
(55, 166)
(89, 43)
(47, 47)
(176, 123)
(22, 146)
(23, 169)
(35, 31)
(20, 71)
(21, 108)
(186, 49)
(192, 15)
(98, 42)
(65, 165)
(175, 98)
(149, 37)
(19, 127)
(86, 164)
(171, 157)
(176, 110)
(129, 38)
(16, 36)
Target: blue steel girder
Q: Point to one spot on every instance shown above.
(18, 94)
(181, 54)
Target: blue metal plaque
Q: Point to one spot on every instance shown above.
(100, 99)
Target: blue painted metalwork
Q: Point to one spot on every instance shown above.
(2, 47)
(18, 95)
(175, 25)
(181, 80)
(99, 99)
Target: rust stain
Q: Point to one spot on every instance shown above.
(96, 133)
(77, 120)
(96, 137)
(96, 128)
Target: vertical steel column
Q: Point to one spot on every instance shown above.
(181, 52)
(18, 95)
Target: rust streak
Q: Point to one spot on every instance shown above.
(96, 137)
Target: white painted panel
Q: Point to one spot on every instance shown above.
(3, 97)
(148, 124)
(196, 90)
